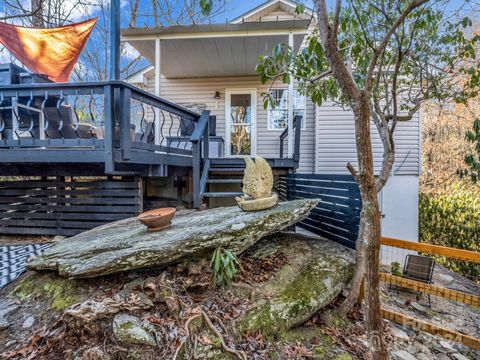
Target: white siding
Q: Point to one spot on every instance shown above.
(202, 90)
(335, 143)
(276, 11)
(276, 15)
(399, 204)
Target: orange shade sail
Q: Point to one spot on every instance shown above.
(51, 52)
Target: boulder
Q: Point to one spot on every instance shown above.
(127, 245)
(6, 307)
(316, 272)
(129, 329)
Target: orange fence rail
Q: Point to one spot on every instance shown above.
(417, 324)
(431, 289)
(459, 254)
(414, 285)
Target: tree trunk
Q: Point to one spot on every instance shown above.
(358, 276)
(370, 229)
(37, 13)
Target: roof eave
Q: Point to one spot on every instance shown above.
(212, 29)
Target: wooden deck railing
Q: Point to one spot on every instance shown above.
(297, 128)
(112, 122)
(201, 161)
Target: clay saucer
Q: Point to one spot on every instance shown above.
(157, 219)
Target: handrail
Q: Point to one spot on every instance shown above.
(284, 133)
(109, 104)
(85, 88)
(297, 121)
(203, 179)
(200, 126)
(200, 134)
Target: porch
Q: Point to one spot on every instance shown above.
(112, 129)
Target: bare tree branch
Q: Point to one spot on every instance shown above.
(379, 49)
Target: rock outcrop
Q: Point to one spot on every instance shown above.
(316, 272)
(127, 245)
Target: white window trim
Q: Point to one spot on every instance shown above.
(253, 93)
(304, 119)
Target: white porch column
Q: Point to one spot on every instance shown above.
(158, 57)
(290, 106)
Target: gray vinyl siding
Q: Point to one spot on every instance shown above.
(202, 90)
(335, 143)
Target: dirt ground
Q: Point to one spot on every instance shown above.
(24, 239)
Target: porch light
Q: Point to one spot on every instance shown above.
(217, 95)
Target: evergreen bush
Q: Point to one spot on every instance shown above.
(452, 219)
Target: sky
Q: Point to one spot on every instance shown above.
(233, 9)
(236, 8)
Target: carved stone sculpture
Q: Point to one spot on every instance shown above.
(257, 186)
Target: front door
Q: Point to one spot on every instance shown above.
(240, 127)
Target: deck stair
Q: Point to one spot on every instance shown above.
(223, 175)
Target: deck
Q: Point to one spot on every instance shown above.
(109, 128)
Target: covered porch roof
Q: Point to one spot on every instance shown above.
(209, 50)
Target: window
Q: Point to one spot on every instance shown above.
(278, 116)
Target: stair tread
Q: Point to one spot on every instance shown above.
(216, 169)
(224, 181)
(221, 194)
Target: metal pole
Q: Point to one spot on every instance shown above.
(290, 106)
(114, 40)
(158, 64)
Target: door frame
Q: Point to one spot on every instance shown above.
(253, 126)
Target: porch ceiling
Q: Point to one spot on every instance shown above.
(209, 50)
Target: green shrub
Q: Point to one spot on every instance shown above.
(395, 268)
(452, 219)
(224, 267)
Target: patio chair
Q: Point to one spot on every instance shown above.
(419, 268)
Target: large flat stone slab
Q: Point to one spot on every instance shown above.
(127, 245)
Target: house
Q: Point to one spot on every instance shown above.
(213, 66)
(178, 131)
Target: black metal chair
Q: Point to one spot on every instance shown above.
(419, 268)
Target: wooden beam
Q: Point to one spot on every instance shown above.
(196, 173)
(109, 106)
(125, 118)
(214, 34)
(49, 156)
(433, 249)
(449, 294)
(417, 324)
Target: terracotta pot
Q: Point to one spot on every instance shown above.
(157, 219)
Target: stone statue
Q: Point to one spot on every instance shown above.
(257, 186)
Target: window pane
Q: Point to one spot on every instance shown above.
(278, 119)
(241, 109)
(240, 140)
(298, 101)
(278, 116)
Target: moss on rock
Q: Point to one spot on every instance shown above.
(109, 248)
(316, 272)
(58, 292)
